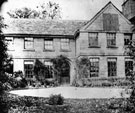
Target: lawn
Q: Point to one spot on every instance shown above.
(36, 105)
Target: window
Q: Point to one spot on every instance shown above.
(28, 68)
(128, 66)
(127, 39)
(110, 22)
(94, 67)
(48, 44)
(112, 67)
(28, 43)
(93, 39)
(111, 39)
(49, 71)
(65, 44)
(10, 43)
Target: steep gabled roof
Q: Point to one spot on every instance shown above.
(101, 11)
(42, 27)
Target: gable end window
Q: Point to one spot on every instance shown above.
(10, 43)
(94, 67)
(111, 39)
(64, 44)
(48, 44)
(93, 39)
(28, 43)
(110, 22)
(127, 38)
(112, 67)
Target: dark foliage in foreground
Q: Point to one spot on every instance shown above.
(39, 105)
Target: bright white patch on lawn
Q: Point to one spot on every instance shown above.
(73, 92)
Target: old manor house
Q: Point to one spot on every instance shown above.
(103, 40)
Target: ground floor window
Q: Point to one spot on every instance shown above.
(94, 67)
(49, 70)
(112, 67)
(28, 68)
(128, 66)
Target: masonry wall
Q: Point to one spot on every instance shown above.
(101, 51)
(19, 54)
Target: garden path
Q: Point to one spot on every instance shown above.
(74, 92)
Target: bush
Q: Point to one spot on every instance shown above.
(55, 100)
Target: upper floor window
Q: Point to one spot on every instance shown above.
(49, 70)
(94, 67)
(10, 43)
(128, 66)
(48, 44)
(111, 39)
(93, 39)
(28, 43)
(65, 44)
(127, 39)
(112, 67)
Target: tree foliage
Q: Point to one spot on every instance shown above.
(61, 65)
(40, 71)
(3, 55)
(51, 10)
(83, 67)
(3, 77)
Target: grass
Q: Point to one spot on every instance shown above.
(26, 104)
(93, 105)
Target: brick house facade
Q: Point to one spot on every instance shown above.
(102, 39)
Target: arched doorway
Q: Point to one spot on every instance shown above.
(65, 76)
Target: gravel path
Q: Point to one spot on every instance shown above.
(74, 92)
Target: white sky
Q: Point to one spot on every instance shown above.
(71, 9)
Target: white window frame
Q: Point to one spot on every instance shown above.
(93, 39)
(65, 44)
(29, 62)
(28, 43)
(10, 43)
(94, 71)
(48, 44)
(111, 39)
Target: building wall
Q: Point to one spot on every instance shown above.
(19, 54)
(102, 51)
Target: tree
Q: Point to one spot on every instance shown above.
(40, 71)
(20, 13)
(131, 77)
(3, 55)
(61, 65)
(3, 77)
(83, 67)
(50, 10)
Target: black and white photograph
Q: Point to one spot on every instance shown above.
(67, 56)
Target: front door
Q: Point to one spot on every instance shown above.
(65, 77)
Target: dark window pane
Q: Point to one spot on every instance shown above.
(112, 67)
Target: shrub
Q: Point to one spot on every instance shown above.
(55, 100)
